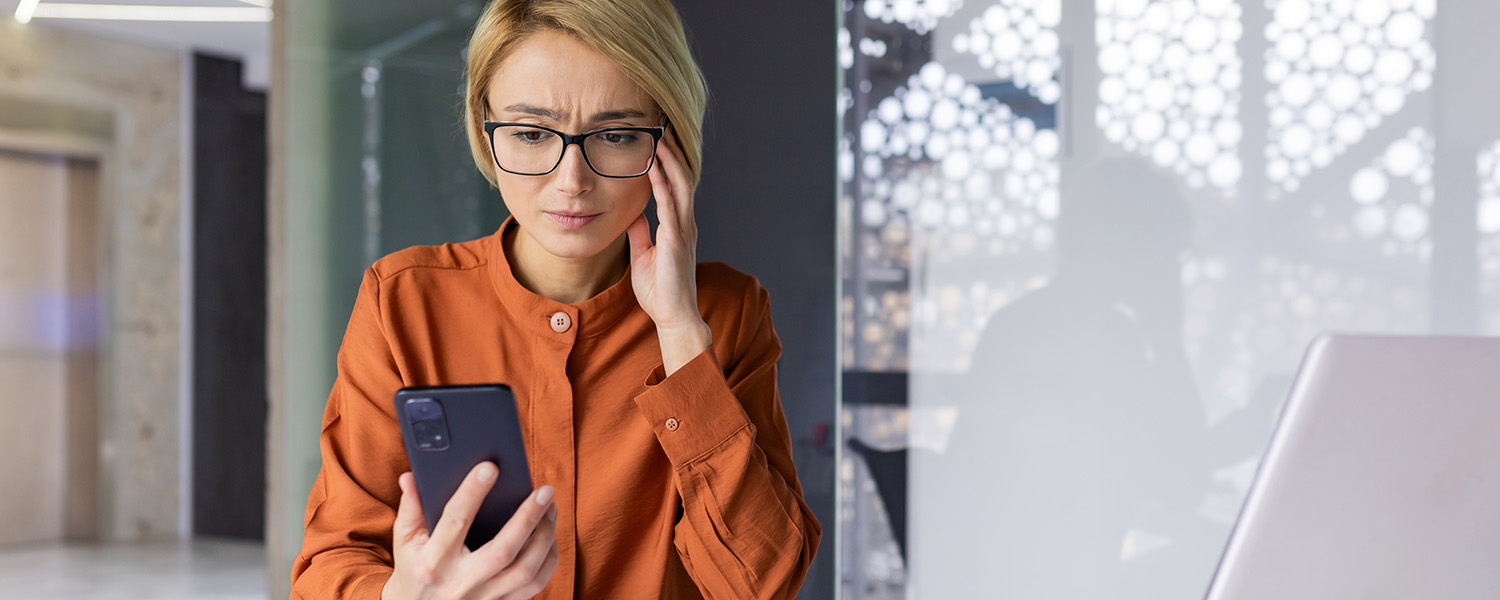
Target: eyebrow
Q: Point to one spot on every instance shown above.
(608, 115)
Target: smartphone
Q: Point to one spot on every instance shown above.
(450, 429)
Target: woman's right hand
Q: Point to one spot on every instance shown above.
(515, 564)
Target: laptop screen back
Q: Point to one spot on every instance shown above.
(1382, 480)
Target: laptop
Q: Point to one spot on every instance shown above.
(1381, 481)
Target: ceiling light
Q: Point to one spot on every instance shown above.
(25, 10)
(128, 12)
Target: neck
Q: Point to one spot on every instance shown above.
(565, 280)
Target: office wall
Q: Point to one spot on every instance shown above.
(120, 103)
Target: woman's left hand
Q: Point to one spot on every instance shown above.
(664, 274)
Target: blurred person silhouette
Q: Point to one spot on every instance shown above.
(1079, 457)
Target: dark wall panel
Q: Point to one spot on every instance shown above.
(767, 198)
(229, 303)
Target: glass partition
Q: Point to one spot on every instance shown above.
(1084, 244)
(375, 160)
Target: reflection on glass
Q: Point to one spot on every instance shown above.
(1081, 445)
(1087, 242)
(1488, 216)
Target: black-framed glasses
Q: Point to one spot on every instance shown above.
(617, 152)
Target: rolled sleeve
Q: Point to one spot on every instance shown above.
(692, 411)
(744, 530)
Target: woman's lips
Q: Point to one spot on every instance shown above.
(572, 221)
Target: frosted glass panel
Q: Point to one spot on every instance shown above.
(1084, 245)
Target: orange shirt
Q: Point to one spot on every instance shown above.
(711, 508)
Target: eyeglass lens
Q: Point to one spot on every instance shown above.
(534, 151)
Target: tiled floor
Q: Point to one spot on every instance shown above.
(203, 568)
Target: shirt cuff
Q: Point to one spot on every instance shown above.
(693, 411)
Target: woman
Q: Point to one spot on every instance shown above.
(646, 383)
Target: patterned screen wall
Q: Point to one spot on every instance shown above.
(1200, 186)
(1171, 85)
(1340, 69)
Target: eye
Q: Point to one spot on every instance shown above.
(531, 136)
(619, 138)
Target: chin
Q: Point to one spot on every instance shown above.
(585, 243)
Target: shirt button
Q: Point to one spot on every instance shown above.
(672, 424)
(561, 322)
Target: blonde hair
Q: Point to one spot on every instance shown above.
(644, 38)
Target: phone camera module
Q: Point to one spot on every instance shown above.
(427, 424)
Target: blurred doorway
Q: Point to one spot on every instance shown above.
(49, 347)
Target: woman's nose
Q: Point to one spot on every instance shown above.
(573, 175)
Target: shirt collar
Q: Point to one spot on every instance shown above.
(589, 318)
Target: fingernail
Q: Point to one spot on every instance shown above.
(544, 495)
(486, 472)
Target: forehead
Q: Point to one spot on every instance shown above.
(554, 70)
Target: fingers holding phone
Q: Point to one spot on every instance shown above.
(525, 549)
(410, 531)
(516, 563)
(458, 514)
